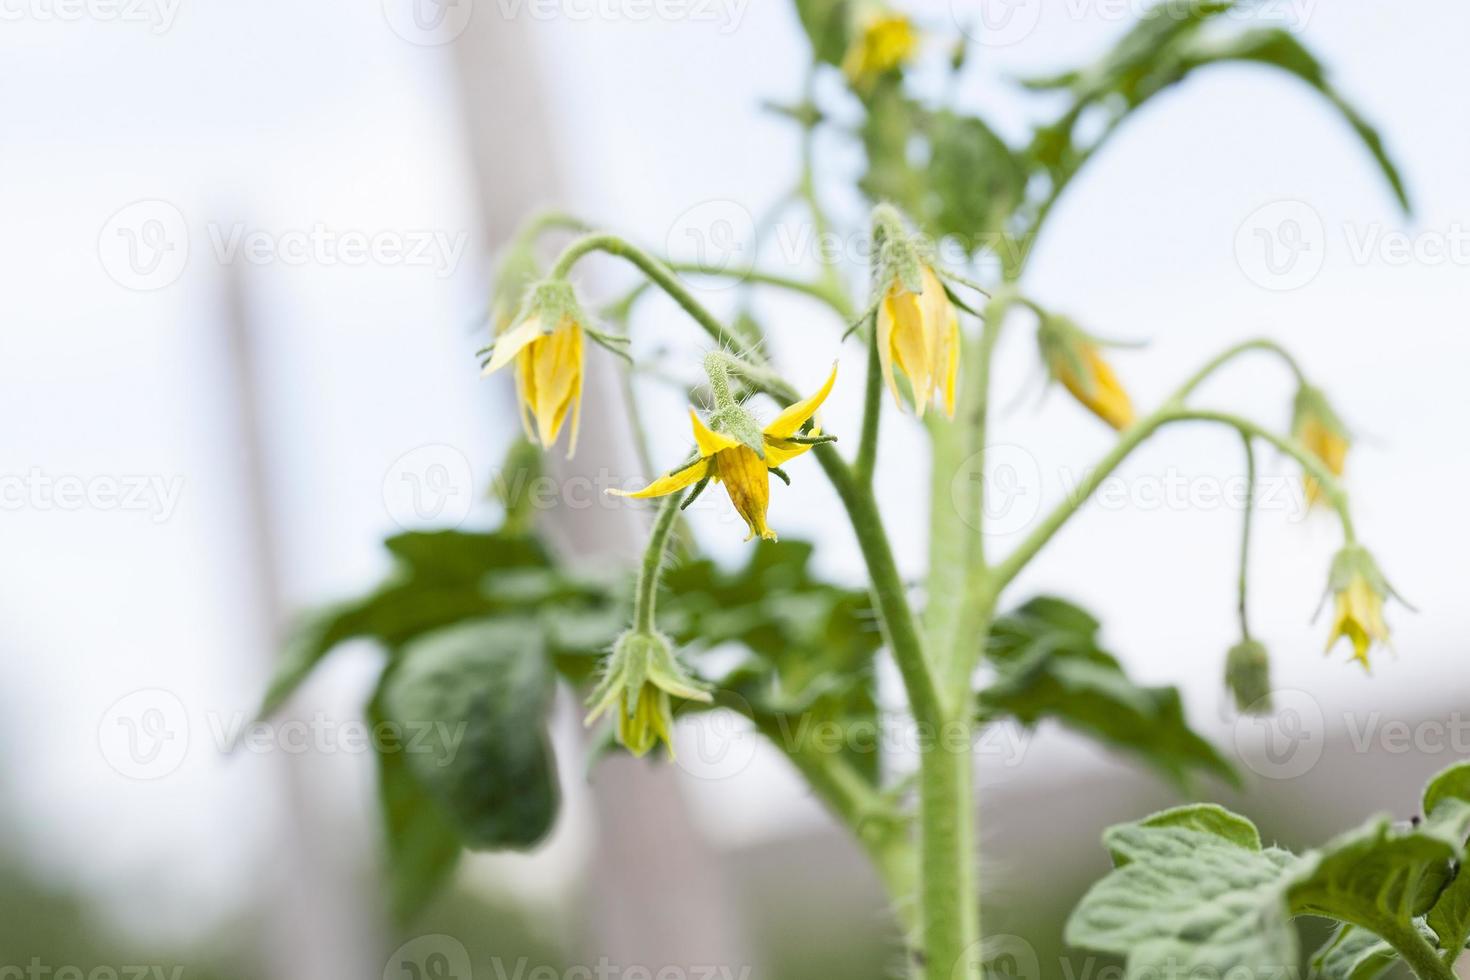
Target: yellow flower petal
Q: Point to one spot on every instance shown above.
(708, 440)
(791, 419)
(1099, 390)
(508, 345)
(780, 451)
(748, 482)
(669, 483)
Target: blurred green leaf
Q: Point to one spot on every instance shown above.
(827, 23)
(422, 844)
(975, 179)
(1049, 665)
(1353, 953)
(889, 132)
(471, 701)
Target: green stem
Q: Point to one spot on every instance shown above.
(872, 818)
(1130, 440)
(949, 899)
(1421, 957)
(550, 221)
(645, 594)
(662, 276)
(1230, 354)
(816, 290)
(889, 594)
(867, 454)
(1245, 538)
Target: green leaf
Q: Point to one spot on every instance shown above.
(974, 178)
(1273, 46)
(1353, 953)
(422, 845)
(1189, 900)
(472, 701)
(1049, 665)
(1376, 876)
(441, 578)
(826, 23)
(1444, 801)
(889, 131)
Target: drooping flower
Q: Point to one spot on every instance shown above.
(1359, 591)
(546, 347)
(1074, 358)
(884, 41)
(642, 674)
(1317, 427)
(919, 335)
(734, 450)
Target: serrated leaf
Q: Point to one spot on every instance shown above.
(476, 696)
(1049, 665)
(422, 845)
(1376, 874)
(1189, 900)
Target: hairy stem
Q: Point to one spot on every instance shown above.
(662, 276)
(867, 454)
(1242, 606)
(1230, 354)
(1416, 952)
(949, 900)
(645, 594)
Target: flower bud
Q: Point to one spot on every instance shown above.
(639, 677)
(546, 346)
(1248, 677)
(1317, 427)
(1072, 356)
(1359, 591)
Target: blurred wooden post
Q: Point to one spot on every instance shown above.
(658, 893)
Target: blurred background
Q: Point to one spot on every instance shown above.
(246, 254)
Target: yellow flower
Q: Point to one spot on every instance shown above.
(641, 674)
(919, 333)
(1317, 427)
(1073, 358)
(726, 455)
(885, 42)
(548, 375)
(1359, 590)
